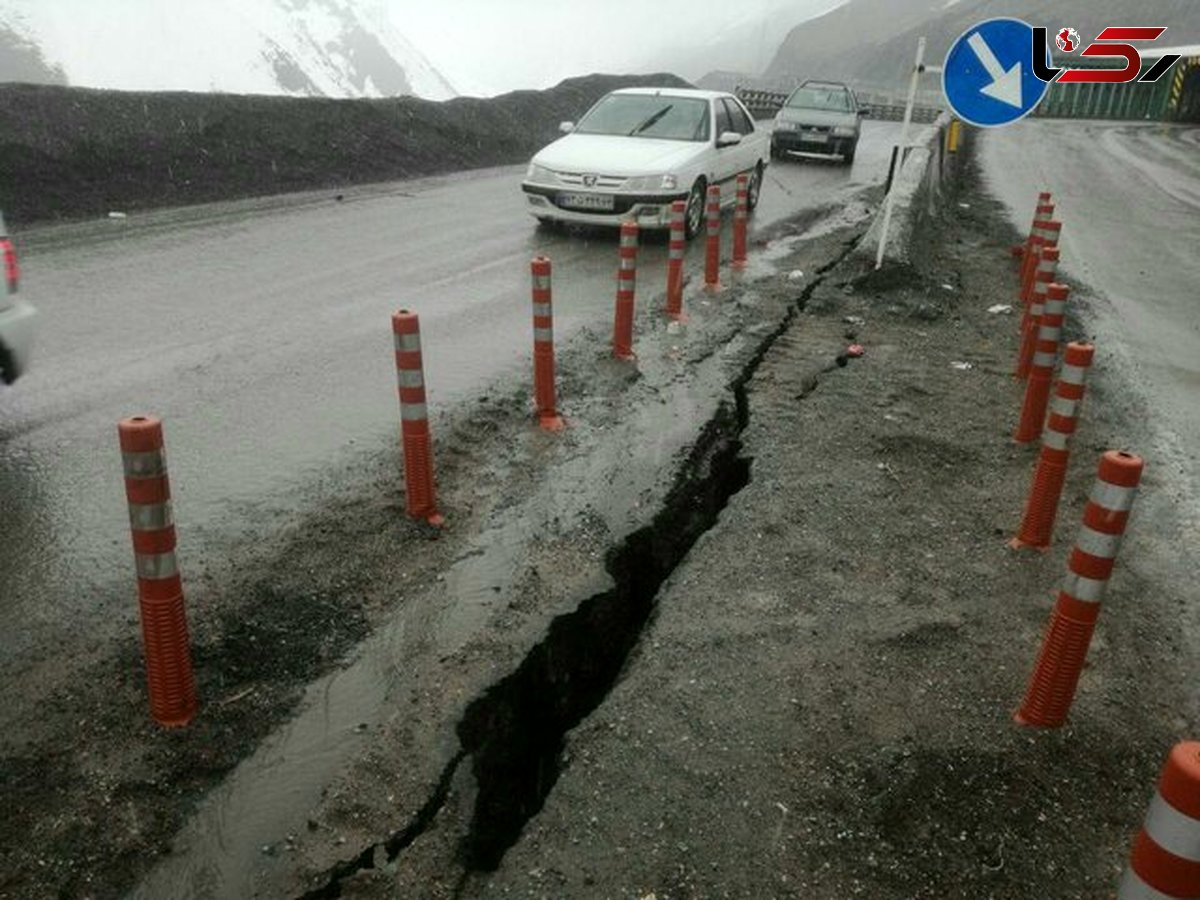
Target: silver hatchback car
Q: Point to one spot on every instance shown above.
(818, 117)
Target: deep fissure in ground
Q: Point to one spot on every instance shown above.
(515, 733)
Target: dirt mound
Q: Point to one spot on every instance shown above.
(71, 152)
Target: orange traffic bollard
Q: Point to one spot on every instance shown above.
(1045, 234)
(740, 214)
(1065, 646)
(712, 253)
(678, 245)
(626, 289)
(1034, 311)
(543, 346)
(1047, 258)
(414, 419)
(169, 678)
(1044, 209)
(1042, 508)
(1045, 356)
(1165, 861)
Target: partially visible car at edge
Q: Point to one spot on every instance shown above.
(637, 150)
(16, 315)
(818, 117)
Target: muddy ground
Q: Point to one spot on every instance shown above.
(817, 703)
(814, 703)
(97, 797)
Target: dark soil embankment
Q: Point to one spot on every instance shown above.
(70, 152)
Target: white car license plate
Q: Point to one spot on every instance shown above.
(817, 137)
(602, 202)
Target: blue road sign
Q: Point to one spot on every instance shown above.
(988, 75)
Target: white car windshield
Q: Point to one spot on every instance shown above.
(648, 116)
(832, 99)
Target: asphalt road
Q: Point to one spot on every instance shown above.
(1128, 195)
(260, 332)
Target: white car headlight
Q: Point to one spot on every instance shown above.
(539, 175)
(784, 126)
(843, 131)
(652, 183)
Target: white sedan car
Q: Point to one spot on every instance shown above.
(639, 149)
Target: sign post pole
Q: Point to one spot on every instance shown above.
(908, 111)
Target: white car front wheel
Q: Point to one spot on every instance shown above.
(693, 219)
(754, 189)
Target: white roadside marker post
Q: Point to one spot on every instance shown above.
(918, 66)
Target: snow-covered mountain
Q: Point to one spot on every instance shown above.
(331, 48)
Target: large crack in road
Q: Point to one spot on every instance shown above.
(513, 734)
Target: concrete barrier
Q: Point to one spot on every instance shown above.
(916, 188)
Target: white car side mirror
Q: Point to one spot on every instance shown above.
(566, 127)
(729, 139)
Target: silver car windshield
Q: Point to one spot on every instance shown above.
(832, 99)
(648, 116)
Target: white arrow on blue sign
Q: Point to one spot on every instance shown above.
(988, 75)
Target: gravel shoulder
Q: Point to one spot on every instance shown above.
(795, 571)
(821, 703)
(353, 636)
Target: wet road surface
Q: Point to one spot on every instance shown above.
(1128, 195)
(259, 331)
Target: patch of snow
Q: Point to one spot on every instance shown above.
(226, 45)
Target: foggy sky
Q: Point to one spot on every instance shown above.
(491, 46)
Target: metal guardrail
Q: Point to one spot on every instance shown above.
(764, 104)
(1173, 98)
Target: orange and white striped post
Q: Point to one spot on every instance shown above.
(675, 252)
(1065, 646)
(740, 214)
(626, 289)
(1035, 308)
(421, 494)
(1165, 861)
(1042, 508)
(1043, 209)
(1046, 233)
(1047, 261)
(543, 346)
(712, 251)
(1045, 357)
(169, 679)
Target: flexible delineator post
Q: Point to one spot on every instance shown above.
(543, 346)
(1165, 861)
(626, 289)
(1065, 645)
(1034, 311)
(1037, 525)
(1043, 210)
(1047, 261)
(1045, 357)
(712, 250)
(740, 215)
(169, 679)
(420, 490)
(1046, 233)
(675, 252)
